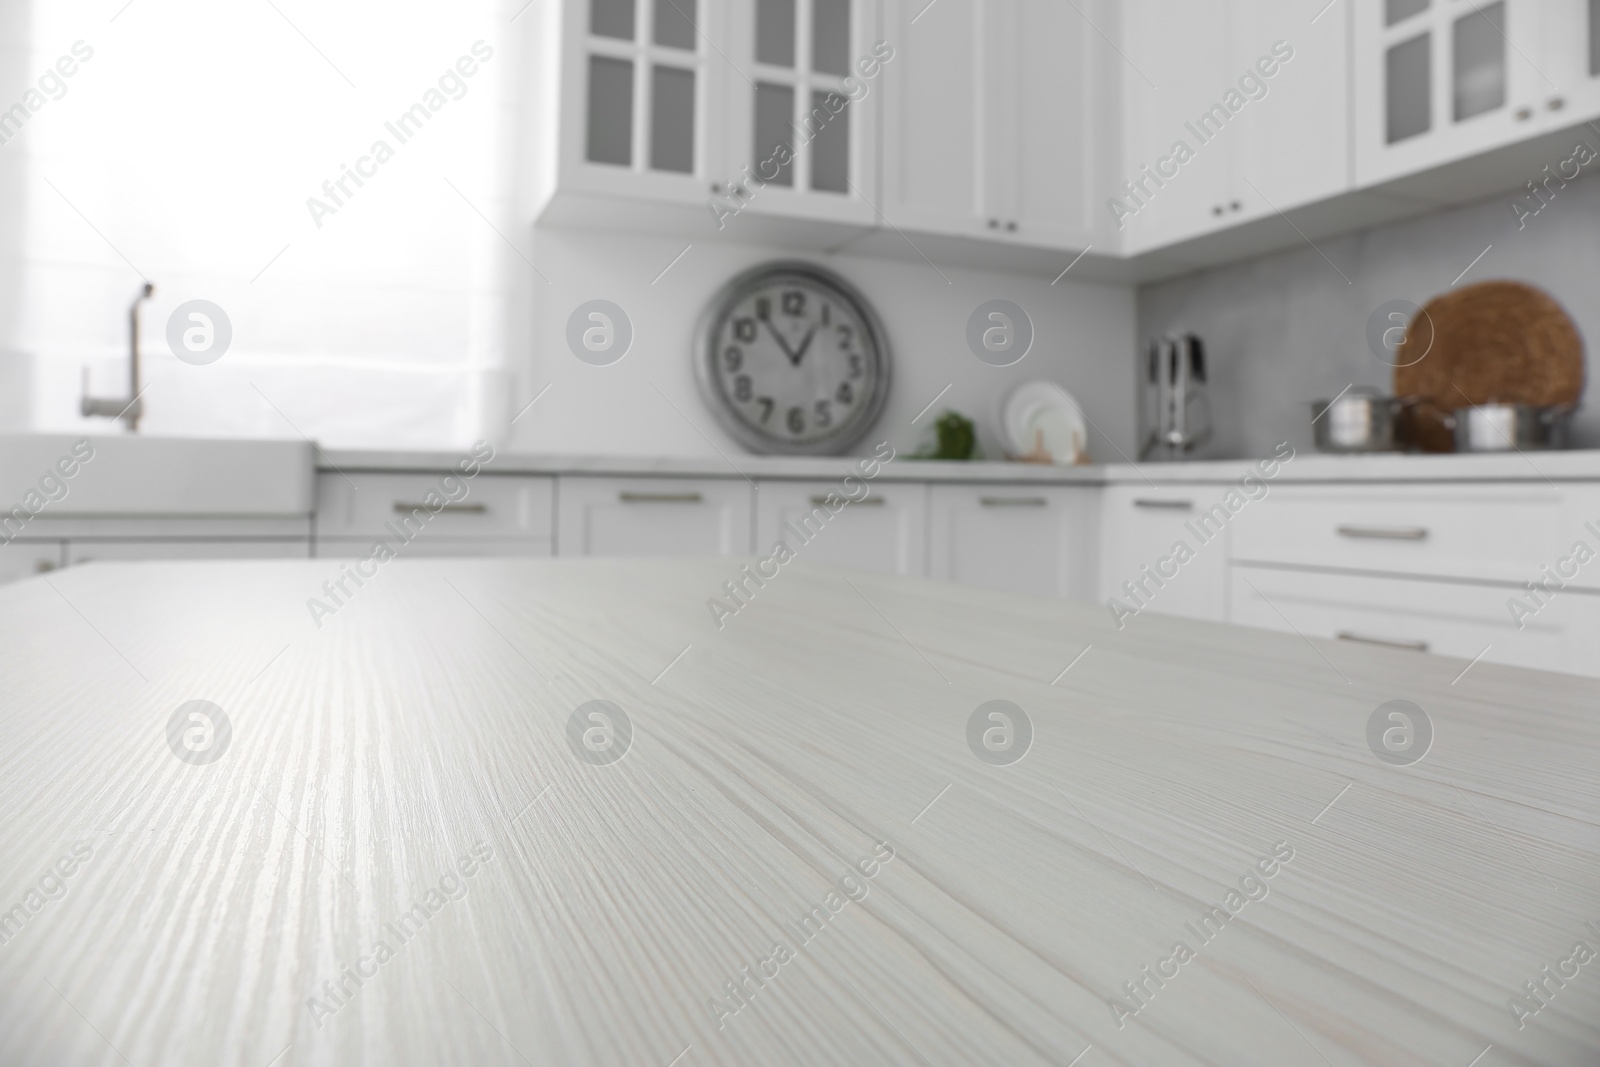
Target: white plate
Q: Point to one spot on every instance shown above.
(1044, 408)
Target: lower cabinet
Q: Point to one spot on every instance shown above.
(79, 552)
(653, 517)
(24, 559)
(1423, 615)
(887, 530)
(1157, 542)
(1019, 538)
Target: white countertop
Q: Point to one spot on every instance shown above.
(1304, 467)
(425, 772)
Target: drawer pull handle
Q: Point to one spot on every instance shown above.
(853, 503)
(1013, 501)
(1385, 533)
(660, 498)
(1409, 646)
(1175, 505)
(403, 508)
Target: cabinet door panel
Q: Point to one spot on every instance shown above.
(653, 517)
(1057, 168)
(1291, 142)
(1142, 526)
(1450, 80)
(887, 531)
(1017, 538)
(1171, 79)
(937, 144)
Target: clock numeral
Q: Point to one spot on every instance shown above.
(794, 303)
(846, 335)
(844, 395)
(734, 358)
(855, 367)
(797, 421)
(827, 314)
(766, 407)
(744, 329)
(824, 414)
(763, 308)
(741, 388)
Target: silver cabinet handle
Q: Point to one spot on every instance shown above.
(1385, 533)
(1012, 501)
(863, 500)
(660, 498)
(403, 508)
(1409, 646)
(1175, 505)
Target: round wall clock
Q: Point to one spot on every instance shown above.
(792, 359)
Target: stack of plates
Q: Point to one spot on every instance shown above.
(1044, 415)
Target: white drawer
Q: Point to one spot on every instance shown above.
(655, 517)
(886, 531)
(90, 551)
(1446, 618)
(378, 504)
(428, 547)
(1505, 533)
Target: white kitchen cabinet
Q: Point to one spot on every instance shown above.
(24, 559)
(641, 87)
(430, 547)
(364, 505)
(885, 531)
(1570, 60)
(1170, 78)
(796, 64)
(80, 552)
(994, 120)
(1447, 618)
(1440, 80)
(1140, 530)
(651, 517)
(1255, 90)
(1019, 538)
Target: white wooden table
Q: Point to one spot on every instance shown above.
(404, 776)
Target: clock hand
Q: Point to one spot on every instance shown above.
(805, 344)
(776, 336)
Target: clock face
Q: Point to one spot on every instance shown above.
(793, 360)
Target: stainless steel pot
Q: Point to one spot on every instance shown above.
(1504, 427)
(1358, 421)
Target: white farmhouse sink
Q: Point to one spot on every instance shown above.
(129, 475)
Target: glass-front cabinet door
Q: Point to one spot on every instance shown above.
(801, 107)
(639, 91)
(1438, 80)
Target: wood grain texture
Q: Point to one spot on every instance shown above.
(428, 718)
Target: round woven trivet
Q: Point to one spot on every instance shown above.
(1494, 341)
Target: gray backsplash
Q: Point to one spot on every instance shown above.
(1288, 328)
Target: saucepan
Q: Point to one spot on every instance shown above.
(1497, 427)
(1359, 420)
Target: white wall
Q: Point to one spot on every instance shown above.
(1083, 339)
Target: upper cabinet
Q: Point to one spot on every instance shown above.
(1236, 110)
(994, 119)
(1440, 80)
(640, 86)
(800, 119)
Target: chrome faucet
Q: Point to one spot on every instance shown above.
(128, 410)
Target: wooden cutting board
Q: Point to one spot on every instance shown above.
(405, 774)
(1493, 341)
